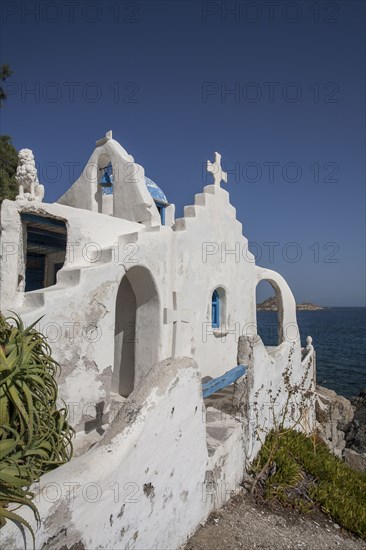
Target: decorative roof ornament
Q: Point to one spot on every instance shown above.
(309, 344)
(26, 176)
(104, 140)
(215, 168)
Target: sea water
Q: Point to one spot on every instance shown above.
(339, 338)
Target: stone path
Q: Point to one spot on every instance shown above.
(246, 524)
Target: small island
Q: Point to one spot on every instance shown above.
(270, 304)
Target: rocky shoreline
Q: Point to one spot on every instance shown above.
(342, 425)
(355, 434)
(270, 304)
(248, 521)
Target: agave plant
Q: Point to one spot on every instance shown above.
(35, 436)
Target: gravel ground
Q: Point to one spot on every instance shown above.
(246, 523)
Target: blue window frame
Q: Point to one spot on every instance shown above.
(45, 237)
(215, 309)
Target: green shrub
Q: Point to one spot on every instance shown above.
(35, 436)
(339, 490)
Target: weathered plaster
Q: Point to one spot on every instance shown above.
(157, 439)
(130, 473)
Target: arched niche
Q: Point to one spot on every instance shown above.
(131, 199)
(105, 171)
(137, 329)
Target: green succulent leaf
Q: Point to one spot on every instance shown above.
(35, 435)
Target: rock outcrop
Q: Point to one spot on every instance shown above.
(357, 461)
(341, 423)
(355, 433)
(270, 304)
(333, 414)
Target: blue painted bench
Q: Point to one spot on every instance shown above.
(216, 384)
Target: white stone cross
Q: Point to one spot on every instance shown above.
(177, 316)
(215, 168)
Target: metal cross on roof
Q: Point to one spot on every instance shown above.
(177, 316)
(215, 168)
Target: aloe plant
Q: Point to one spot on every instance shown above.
(35, 435)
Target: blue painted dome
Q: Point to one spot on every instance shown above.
(155, 191)
(106, 182)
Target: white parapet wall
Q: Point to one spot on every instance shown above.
(143, 485)
(279, 389)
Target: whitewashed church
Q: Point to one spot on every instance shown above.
(143, 311)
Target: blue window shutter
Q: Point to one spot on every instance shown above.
(215, 309)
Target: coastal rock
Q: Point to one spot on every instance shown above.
(356, 430)
(356, 436)
(361, 397)
(355, 460)
(333, 414)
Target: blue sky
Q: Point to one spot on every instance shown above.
(277, 88)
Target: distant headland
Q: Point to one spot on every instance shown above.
(270, 304)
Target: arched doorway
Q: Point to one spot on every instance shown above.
(137, 330)
(106, 177)
(286, 305)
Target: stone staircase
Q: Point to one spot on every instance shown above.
(210, 193)
(71, 277)
(225, 443)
